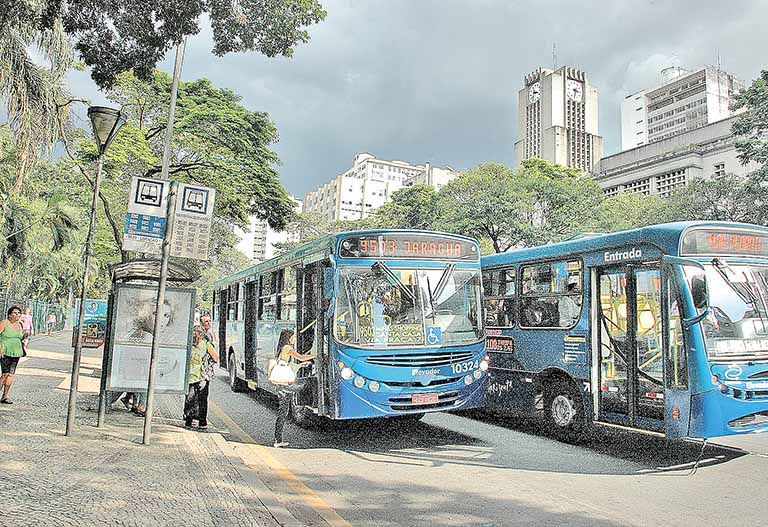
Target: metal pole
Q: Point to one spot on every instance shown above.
(159, 308)
(79, 330)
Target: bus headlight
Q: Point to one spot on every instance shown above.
(468, 379)
(484, 365)
(347, 373)
(359, 381)
(373, 386)
(477, 374)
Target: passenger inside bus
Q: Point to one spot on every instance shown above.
(570, 304)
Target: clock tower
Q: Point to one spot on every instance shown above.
(557, 119)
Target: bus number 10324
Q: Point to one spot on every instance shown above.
(464, 367)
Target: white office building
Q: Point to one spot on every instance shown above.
(368, 185)
(684, 101)
(258, 242)
(557, 119)
(668, 164)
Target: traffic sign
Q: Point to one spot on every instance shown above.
(146, 218)
(192, 223)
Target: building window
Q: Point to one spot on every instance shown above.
(719, 170)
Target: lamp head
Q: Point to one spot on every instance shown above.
(105, 122)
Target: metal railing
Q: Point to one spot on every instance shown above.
(40, 310)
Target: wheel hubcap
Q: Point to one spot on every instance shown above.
(563, 411)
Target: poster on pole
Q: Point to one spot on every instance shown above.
(145, 220)
(131, 343)
(94, 323)
(192, 223)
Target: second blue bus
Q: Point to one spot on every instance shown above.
(662, 329)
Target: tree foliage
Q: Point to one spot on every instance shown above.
(33, 64)
(751, 127)
(114, 36)
(414, 207)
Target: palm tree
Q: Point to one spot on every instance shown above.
(33, 90)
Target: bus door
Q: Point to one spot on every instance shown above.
(630, 373)
(309, 326)
(251, 318)
(221, 317)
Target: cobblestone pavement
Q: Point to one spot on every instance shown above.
(105, 476)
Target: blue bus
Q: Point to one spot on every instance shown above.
(662, 329)
(393, 317)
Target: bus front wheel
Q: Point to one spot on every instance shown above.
(235, 384)
(563, 410)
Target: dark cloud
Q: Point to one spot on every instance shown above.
(436, 80)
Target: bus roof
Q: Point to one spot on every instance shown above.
(325, 244)
(666, 236)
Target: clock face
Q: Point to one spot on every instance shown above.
(574, 90)
(534, 92)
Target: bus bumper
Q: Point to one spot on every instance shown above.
(361, 403)
(714, 414)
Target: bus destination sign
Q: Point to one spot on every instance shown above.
(408, 245)
(724, 242)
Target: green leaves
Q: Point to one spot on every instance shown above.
(114, 36)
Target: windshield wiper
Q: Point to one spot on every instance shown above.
(442, 283)
(746, 294)
(384, 269)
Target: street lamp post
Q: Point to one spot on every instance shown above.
(105, 122)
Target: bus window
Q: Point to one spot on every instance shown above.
(499, 297)
(240, 301)
(215, 306)
(232, 304)
(287, 294)
(551, 295)
(677, 359)
(268, 297)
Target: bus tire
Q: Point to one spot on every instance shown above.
(235, 384)
(301, 415)
(563, 409)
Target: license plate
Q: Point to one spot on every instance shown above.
(424, 398)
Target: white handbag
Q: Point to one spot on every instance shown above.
(281, 373)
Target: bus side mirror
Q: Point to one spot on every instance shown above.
(699, 292)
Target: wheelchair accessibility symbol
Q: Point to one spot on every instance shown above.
(434, 335)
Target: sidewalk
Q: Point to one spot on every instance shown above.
(106, 476)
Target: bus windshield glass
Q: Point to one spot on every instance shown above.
(737, 325)
(379, 306)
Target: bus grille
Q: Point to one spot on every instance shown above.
(750, 420)
(419, 384)
(419, 360)
(444, 400)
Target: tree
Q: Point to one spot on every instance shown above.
(412, 207)
(33, 64)
(565, 199)
(751, 127)
(727, 198)
(630, 210)
(489, 201)
(114, 36)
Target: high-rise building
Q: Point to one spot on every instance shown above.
(258, 243)
(684, 101)
(557, 119)
(368, 185)
(668, 165)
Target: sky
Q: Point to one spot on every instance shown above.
(436, 80)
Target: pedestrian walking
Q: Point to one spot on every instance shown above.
(287, 356)
(51, 324)
(11, 350)
(27, 327)
(201, 370)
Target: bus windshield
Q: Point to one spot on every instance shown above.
(384, 307)
(737, 325)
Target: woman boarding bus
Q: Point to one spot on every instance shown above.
(392, 317)
(662, 329)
